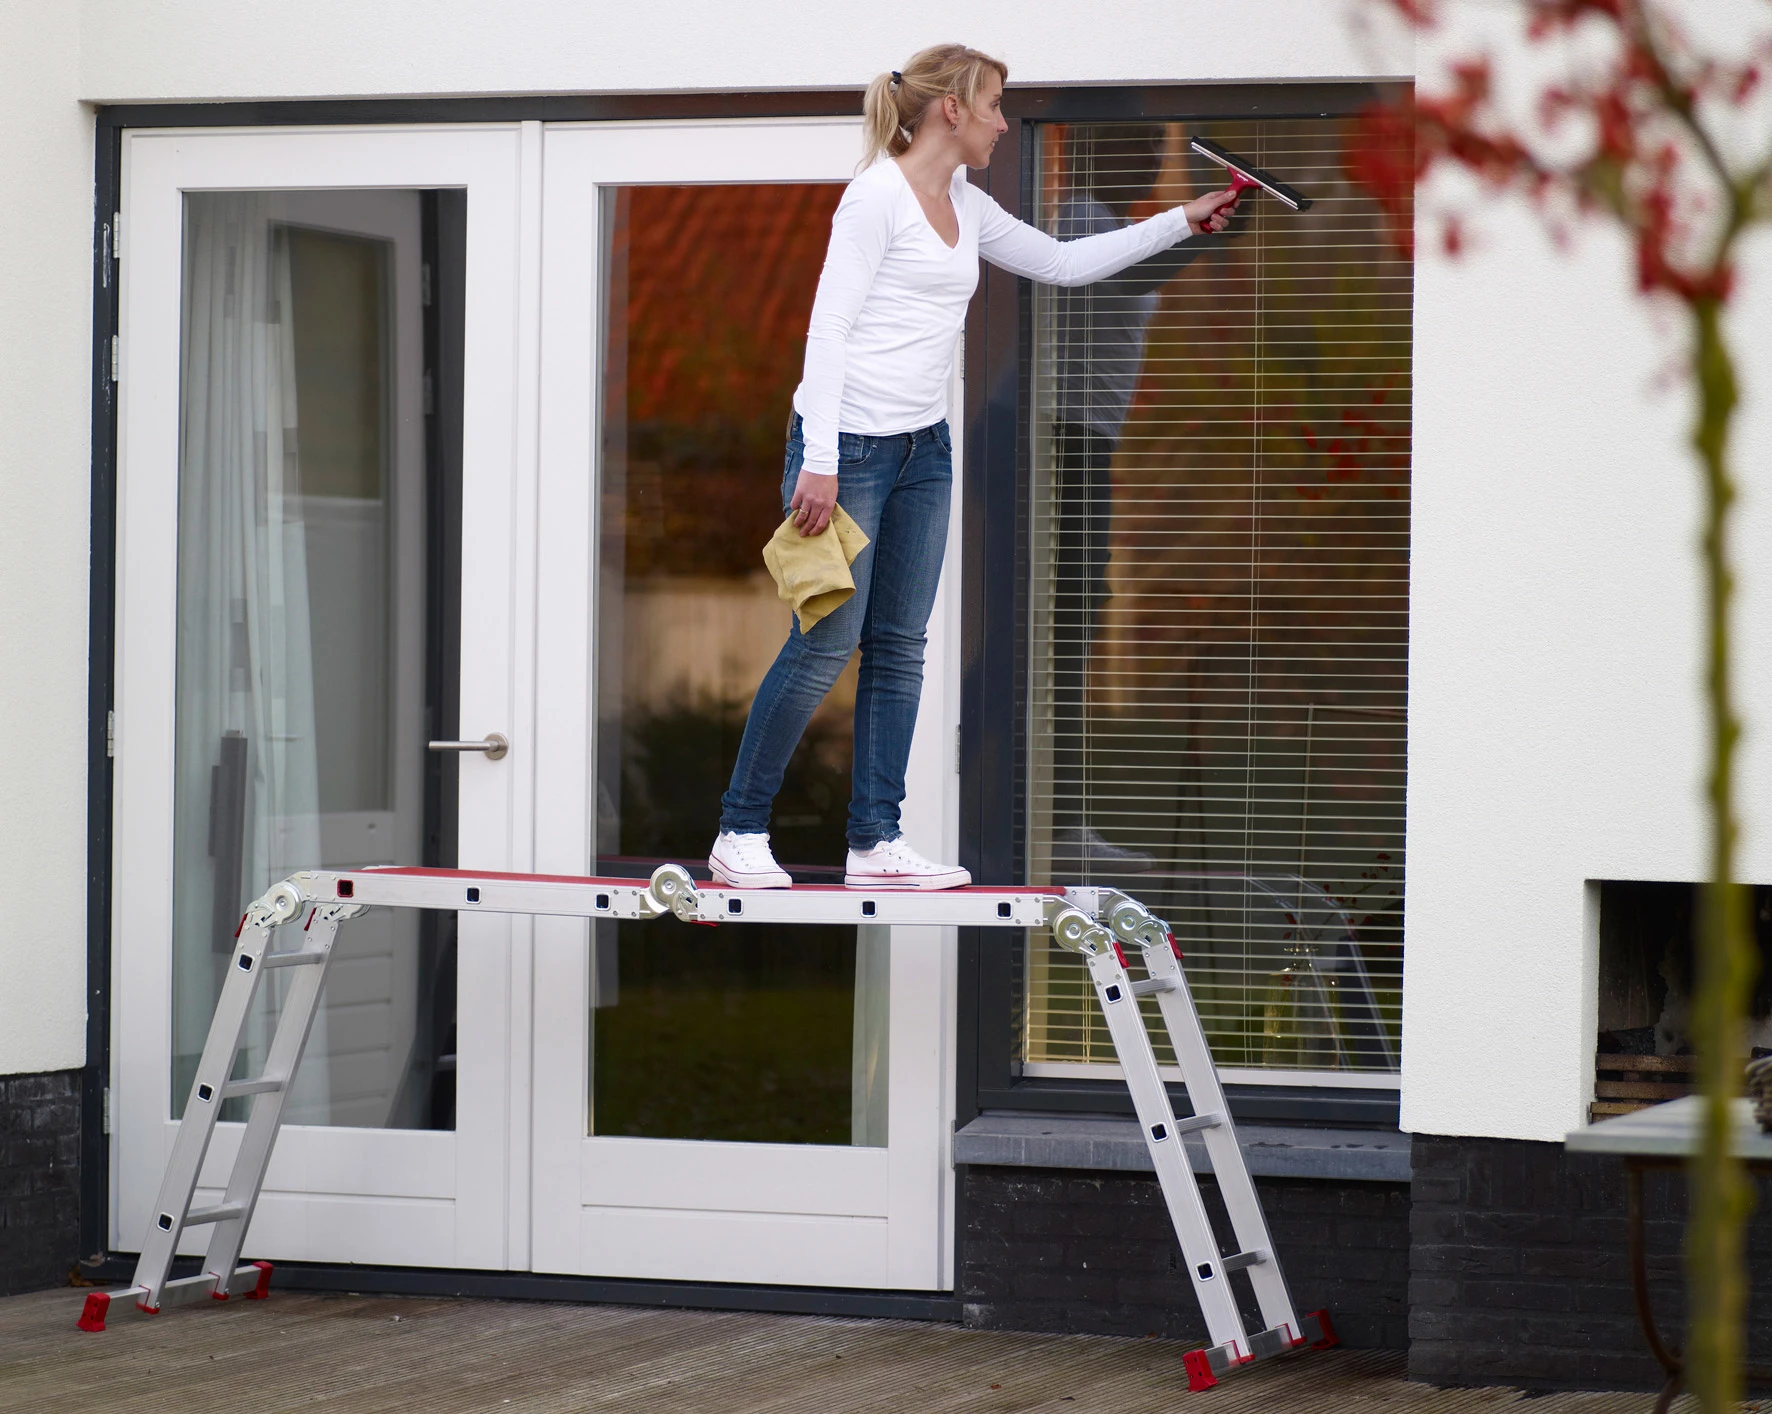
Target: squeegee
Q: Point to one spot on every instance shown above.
(1245, 175)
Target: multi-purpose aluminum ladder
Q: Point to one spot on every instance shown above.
(1097, 924)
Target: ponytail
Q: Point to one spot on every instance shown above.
(896, 103)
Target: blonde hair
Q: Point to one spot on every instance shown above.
(896, 103)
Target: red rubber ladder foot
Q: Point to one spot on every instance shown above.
(92, 1316)
(1327, 1327)
(1199, 1371)
(263, 1289)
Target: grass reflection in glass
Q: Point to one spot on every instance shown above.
(736, 1033)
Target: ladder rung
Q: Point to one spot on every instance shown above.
(221, 1212)
(265, 1084)
(307, 957)
(1150, 986)
(1243, 1259)
(1194, 1123)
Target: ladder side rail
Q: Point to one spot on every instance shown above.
(457, 891)
(1175, 1174)
(197, 1127)
(294, 1025)
(1182, 1020)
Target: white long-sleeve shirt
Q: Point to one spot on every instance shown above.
(893, 296)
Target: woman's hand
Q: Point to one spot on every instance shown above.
(815, 496)
(1207, 215)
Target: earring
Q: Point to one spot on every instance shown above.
(954, 128)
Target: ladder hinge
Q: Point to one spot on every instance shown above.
(116, 346)
(107, 1110)
(110, 747)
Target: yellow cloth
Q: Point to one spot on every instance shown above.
(811, 572)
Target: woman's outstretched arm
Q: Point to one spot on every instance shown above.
(1022, 250)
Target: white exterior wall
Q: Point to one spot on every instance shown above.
(45, 475)
(1555, 727)
(203, 49)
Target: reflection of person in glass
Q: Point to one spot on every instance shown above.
(1099, 335)
(868, 429)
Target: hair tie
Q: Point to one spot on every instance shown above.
(897, 78)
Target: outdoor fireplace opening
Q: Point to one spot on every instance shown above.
(1648, 941)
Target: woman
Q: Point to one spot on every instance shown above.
(868, 430)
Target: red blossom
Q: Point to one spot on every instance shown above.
(1635, 105)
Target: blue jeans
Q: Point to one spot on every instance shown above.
(897, 490)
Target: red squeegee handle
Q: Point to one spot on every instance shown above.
(1241, 184)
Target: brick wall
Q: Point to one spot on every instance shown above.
(1063, 1250)
(39, 1179)
(1520, 1269)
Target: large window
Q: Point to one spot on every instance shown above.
(1217, 597)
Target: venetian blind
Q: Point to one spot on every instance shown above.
(1218, 597)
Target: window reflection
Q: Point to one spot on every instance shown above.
(310, 476)
(745, 1032)
(1219, 594)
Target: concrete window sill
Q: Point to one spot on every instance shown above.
(1112, 1142)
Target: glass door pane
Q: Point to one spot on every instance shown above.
(747, 1033)
(316, 492)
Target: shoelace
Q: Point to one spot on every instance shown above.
(906, 859)
(752, 851)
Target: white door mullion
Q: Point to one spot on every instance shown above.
(566, 534)
(526, 759)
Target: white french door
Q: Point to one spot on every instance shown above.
(633, 215)
(277, 461)
(405, 422)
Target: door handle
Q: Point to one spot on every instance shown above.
(495, 746)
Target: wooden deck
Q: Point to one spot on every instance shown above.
(443, 1356)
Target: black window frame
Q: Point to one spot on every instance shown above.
(994, 573)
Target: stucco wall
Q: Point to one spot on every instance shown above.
(45, 341)
(196, 49)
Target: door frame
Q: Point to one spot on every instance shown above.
(884, 1217)
(458, 1183)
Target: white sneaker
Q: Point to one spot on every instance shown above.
(893, 864)
(745, 862)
